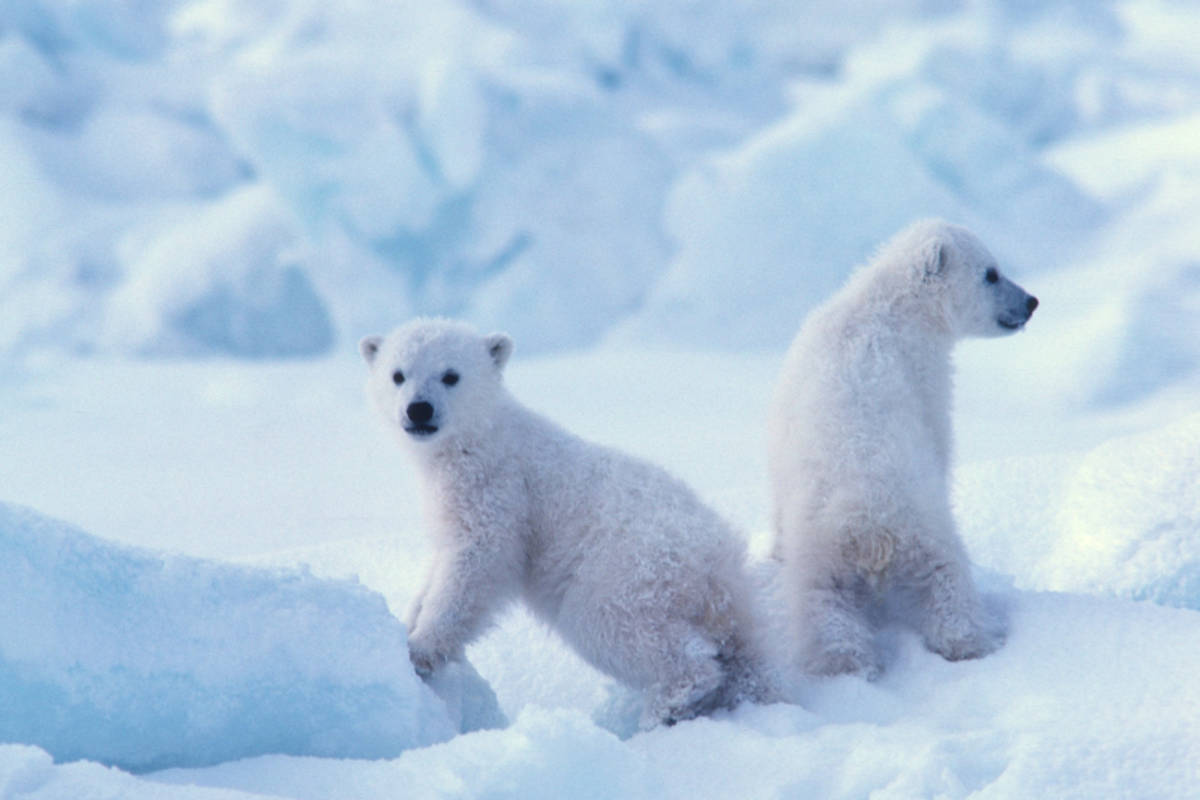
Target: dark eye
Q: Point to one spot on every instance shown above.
(397, 377)
(450, 378)
(991, 276)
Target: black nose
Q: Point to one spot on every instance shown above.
(420, 413)
(1031, 303)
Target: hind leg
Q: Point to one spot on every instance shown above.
(674, 663)
(690, 683)
(723, 662)
(835, 635)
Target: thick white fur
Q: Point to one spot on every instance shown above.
(860, 446)
(620, 558)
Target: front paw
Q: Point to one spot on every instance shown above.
(426, 659)
(844, 659)
(966, 642)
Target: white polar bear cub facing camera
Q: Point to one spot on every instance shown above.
(643, 580)
(860, 446)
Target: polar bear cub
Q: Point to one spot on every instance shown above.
(642, 579)
(860, 446)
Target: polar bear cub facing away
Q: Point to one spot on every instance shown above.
(621, 559)
(860, 446)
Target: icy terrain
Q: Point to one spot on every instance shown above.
(268, 179)
(1091, 696)
(132, 659)
(208, 201)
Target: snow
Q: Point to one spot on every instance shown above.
(210, 201)
(144, 661)
(1090, 695)
(243, 292)
(1064, 711)
(1119, 519)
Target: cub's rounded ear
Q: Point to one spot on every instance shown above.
(935, 255)
(500, 347)
(369, 347)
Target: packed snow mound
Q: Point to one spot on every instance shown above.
(144, 661)
(227, 278)
(1121, 519)
(1129, 519)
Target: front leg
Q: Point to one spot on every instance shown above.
(464, 589)
(953, 620)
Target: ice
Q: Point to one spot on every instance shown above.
(32, 77)
(778, 223)
(555, 272)
(575, 175)
(32, 205)
(1114, 165)
(145, 661)
(485, 188)
(139, 155)
(1133, 298)
(498, 172)
(1159, 340)
(242, 292)
(741, 244)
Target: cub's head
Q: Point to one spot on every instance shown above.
(963, 282)
(435, 378)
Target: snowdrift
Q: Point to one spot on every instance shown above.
(1121, 519)
(143, 661)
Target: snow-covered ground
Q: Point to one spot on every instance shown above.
(207, 538)
(1093, 695)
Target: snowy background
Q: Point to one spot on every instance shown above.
(205, 539)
